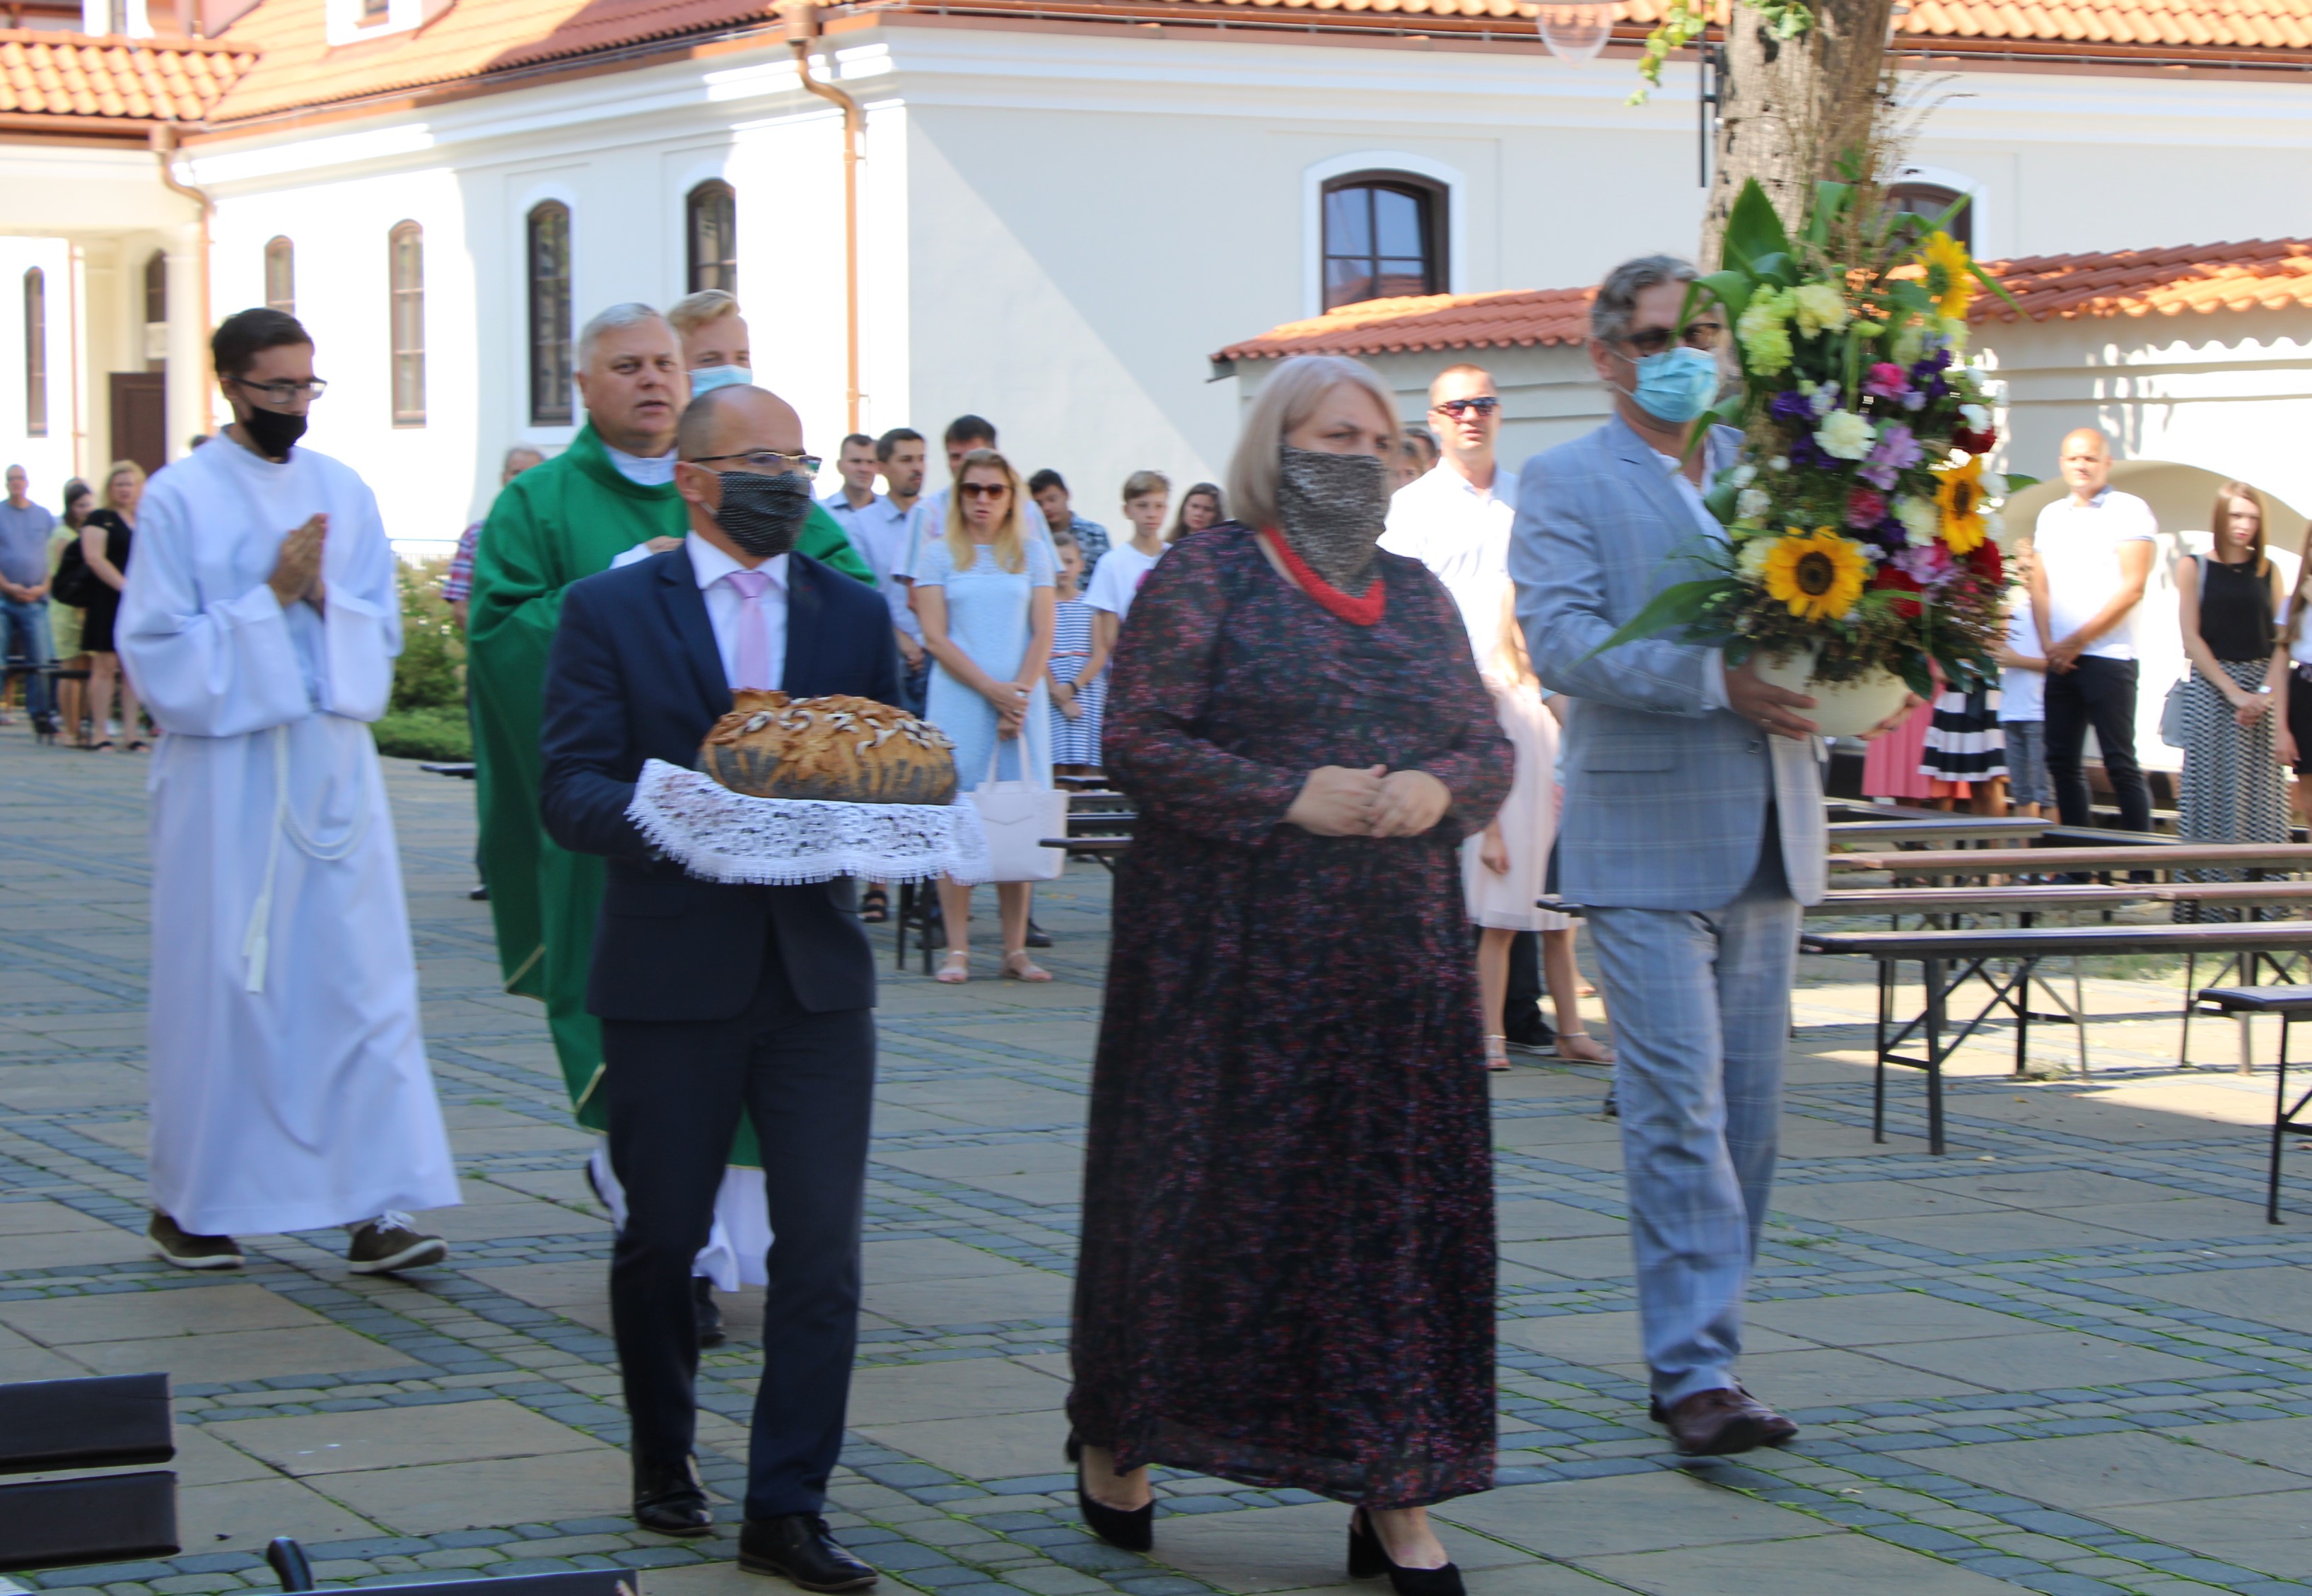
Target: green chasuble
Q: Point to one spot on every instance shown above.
(551, 526)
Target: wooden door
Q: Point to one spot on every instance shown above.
(140, 418)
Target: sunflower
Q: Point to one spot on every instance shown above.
(1818, 574)
(1960, 499)
(1949, 277)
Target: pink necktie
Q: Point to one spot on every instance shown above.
(753, 640)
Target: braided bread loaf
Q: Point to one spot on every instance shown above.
(839, 748)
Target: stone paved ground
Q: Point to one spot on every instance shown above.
(2067, 1358)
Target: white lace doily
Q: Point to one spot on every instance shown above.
(720, 835)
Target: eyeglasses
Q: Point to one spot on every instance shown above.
(769, 462)
(282, 393)
(982, 490)
(1695, 335)
(1483, 404)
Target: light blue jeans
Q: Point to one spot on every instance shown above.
(1701, 1004)
(24, 640)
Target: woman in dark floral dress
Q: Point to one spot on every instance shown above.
(1287, 1266)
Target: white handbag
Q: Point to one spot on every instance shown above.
(1017, 817)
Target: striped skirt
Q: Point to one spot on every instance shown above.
(2233, 790)
(1964, 742)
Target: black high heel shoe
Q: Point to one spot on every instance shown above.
(1127, 1529)
(1369, 1559)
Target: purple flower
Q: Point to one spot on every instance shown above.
(1825, 398)
(1915, 401)
(1793, 408)
(1877, 473)
(1898, 448)
(1806, 455)
(1890, 534)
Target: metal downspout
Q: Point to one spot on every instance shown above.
(803, 27)
(164, 147)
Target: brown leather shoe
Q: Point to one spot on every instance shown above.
(1712, 1423)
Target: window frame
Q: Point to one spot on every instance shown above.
(405, 322)
(1917, 188)
(35, 352)
(553, 376)
(1434, 197)
(281, 263)
(700, 271)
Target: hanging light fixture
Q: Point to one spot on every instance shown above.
(1575, 30)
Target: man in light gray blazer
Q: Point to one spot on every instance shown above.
(1692, 833)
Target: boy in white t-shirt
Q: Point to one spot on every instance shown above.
(1147, 496)
(2022, 706)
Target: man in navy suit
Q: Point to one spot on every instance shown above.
(713, 996)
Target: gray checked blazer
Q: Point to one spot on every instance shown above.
(1665, 797)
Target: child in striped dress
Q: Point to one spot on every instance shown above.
(1076, 703)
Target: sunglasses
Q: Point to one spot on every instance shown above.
(1696, 334)
(982, 490)
(1485, 405)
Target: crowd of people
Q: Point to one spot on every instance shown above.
(1360, 697)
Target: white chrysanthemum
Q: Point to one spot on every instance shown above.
(1751, 503)
(1754, 551)
(1778, 463)
(1976, 416)
(1910, 343)
(1819, 308)
(1921, 520)
(1994, 527)
(1993, 485)
(1844, 435)
(1745, 474)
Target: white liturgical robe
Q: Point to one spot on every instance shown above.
(289, 1083)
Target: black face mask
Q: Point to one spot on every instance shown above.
(764, 515)
(1334, 508)
(274, 431)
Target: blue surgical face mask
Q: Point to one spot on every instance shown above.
(707, 378)
(1677, 385)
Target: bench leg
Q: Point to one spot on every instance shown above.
(2191, 1002)
(1934, 975)
(1886, 969)
(2279, 1123)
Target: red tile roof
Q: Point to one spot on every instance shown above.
(474, 40)
(77, 77)
(2266, 274)
(2259, 274)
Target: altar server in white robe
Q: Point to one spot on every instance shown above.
(289, 1085)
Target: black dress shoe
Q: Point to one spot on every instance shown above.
(1037, 936)
(1127, 1529)
(797, 1545)
(707, 1311)
(1369, 1559)
(668, 1499)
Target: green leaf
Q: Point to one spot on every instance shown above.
(1720, 501)
(2017, 482)
(1679, 605)
(1730, 289)
(1993, 284)
(1830, 201)
(1777, 268)
(1908, 293)
(1753, 230)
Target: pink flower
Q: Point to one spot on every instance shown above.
(1865, 507)
(1886, 380)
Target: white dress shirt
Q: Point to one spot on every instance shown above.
(2077, 547)
(711, 566)
(1461, 532)
(879, 532)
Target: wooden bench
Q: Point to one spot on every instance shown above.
(101, 1423)
(463, 769)
(295, 1572)
(2010, 861)
(1958, 830)
(2290, 1003)
(1949, 959)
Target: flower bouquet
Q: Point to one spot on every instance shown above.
(1862, 549)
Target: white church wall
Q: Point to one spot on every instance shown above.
(47, 457)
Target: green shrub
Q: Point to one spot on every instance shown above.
(425, 734)
(431, 673)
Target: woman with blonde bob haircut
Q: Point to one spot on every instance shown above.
(107, 538)
(983, 595)
(1286, 1275)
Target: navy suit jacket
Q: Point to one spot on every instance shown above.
(634, 675)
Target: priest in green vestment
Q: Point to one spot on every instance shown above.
(609, 494)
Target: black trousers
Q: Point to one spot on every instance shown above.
(674, 1091)
(2100, 693)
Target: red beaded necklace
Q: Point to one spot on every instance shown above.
(1365, 611)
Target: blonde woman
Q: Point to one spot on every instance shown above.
(983, 595)
(1503, 867)
(104, 542)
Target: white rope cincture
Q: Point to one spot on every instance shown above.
(257, 945)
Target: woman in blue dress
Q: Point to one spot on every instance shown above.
(983, 595)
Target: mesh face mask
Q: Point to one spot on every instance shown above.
(1334, 509)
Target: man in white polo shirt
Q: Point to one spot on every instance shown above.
(2092, 558)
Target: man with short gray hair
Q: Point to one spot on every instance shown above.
(611, 490)
(1691, 834)
(25, 528)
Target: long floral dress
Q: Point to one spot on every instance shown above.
(1287, 1266)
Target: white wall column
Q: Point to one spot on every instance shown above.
(189, 338)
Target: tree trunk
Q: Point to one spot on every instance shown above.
(1793, 108)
